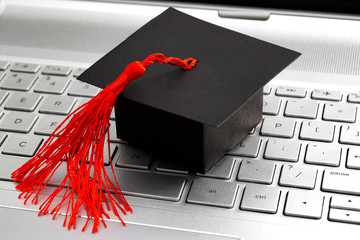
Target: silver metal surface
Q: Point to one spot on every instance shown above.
(68, 33)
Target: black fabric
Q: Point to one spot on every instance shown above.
(232, 67)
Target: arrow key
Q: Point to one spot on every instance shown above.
(347, 216)
(301, 204)
(353, 158)
(345, 202)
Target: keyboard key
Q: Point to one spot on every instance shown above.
(326, 95)
(345, 216)
(345, 202)
(22, 145)
(298, 176)
(82, 89)
(257, 171)
(301, 108)
(114, 148)
(278, 127)
(317, 131)
(56, 70)
(341, 181)
(266, 90)
(3, 96)
(113, 133)
(281, 149)
(25, 67)
(19, 81)
(291, 92)
(134, 158)
(4, 65)
(354, 97)
(165, 165)
(222, 169)
(3, 136)
(2, 74)
(26, 102)
(323, 154)
(78, 72)
(139, 184)
(341, 112)
(271, 105)
(260, 198)
(353, 158)
(48, 124)
(213, 193)
(18, 122)
(150, 185)
(52, 84)
(8, 165)
(350, 134)
(112, 115)
(61, 105)
(301, 204)
(248, 147)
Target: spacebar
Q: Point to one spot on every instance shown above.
(151, 185)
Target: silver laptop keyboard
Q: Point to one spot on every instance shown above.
(306, 150)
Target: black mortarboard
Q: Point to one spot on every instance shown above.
(193, 116)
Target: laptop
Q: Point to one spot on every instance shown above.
(296, 176)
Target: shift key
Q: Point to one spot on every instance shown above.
(341, 181)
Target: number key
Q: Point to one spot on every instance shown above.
(52, 84)
(19, 81)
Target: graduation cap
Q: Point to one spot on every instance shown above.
(194, 116)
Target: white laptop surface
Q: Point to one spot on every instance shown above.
(296, 176)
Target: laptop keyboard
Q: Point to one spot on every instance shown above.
(306, 149)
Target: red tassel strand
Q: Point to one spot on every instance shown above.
(79, 141)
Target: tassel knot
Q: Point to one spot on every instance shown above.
(133, 71)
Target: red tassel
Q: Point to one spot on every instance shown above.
(81, 145)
